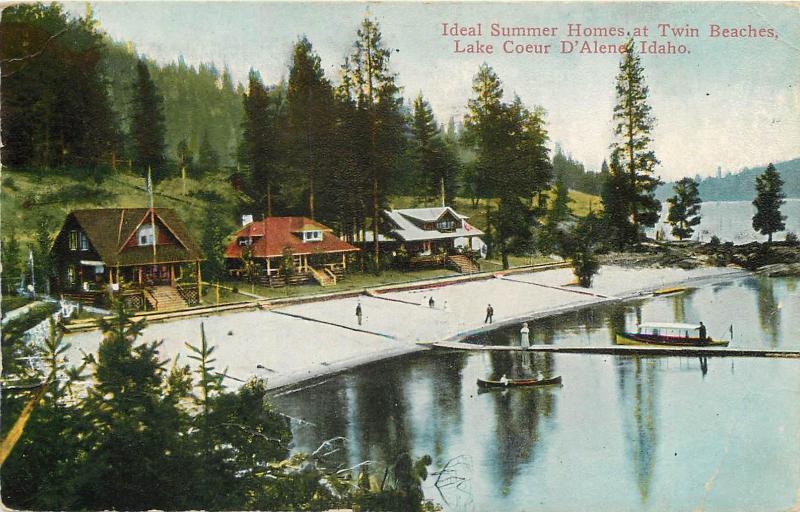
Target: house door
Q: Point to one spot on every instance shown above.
(156, 275)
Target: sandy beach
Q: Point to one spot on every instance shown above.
(290, 344)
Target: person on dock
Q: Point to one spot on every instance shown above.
(489, 314)
(431, 302)
(359, 313)
(702, 333)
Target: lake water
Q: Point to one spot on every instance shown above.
(622, 433)
(733, 221)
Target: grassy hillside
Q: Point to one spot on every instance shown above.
(580, 204)
(28, 197)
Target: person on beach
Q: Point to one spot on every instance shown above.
(358, 313)
(702, 333)
(431, 302)
(489, 314)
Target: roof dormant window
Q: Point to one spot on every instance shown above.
(145, 234)
(312, 236)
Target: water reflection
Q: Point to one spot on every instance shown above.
(607, 439)
(637, 380)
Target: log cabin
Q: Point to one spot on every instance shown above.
(145, 257)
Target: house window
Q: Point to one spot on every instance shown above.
(84, 241)
(312, 236)
(446, 225)
(73, 240)
(70, 275)
(146, 234)
(245, 241)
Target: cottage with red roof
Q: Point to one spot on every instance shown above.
(288, 249)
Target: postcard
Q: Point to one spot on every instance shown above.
(400, 256)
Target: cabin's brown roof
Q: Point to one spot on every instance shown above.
(108, 230)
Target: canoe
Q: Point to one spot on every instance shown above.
(629, 338)
(670, 291)
(518, 382)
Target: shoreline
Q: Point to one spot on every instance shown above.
(293, 344)
(303, 381)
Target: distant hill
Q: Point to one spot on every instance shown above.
(742, 185)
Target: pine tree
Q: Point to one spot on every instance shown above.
(259, 147)
(616, 210)
(435, 164)
(147, 123)
(207, 158)
(371, 86)
(512, 162)
(634, 124)
(55, 104)
(311, 122)
(11, 262)
(184, 155)
(684, 208)
(769, 198)
(213, 244)
(559, 211)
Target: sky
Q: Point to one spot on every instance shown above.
(727, 102)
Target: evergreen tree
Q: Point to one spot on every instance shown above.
(579, 246)
(42, 261)
(616, 211)
(436, 165)
(147, 124)
(769, 198)
(559, 211)
(11, 263)
(213, 245)
(512, 161)
(632, 149)
(207, 158)
(372, 89)
(55, 104)
(684, 208)
(259, 150)
(184, 155)
(311, 122)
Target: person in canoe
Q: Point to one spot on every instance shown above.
(504, 380)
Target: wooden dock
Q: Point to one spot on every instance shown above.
(627, 350)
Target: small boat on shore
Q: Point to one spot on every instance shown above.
(482, 383)
(671, 290)
(669, 334)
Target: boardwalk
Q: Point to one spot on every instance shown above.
(624, 350)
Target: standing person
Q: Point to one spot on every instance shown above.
(489, 314)
(431, 302)
(358, 313)
(702, 333)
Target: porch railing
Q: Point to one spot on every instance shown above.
(189, 293)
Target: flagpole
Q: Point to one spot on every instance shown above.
(152, 210)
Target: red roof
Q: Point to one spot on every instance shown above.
(273, 234)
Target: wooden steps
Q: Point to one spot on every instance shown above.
(165, 298)
(462, 264)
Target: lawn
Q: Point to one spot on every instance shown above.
(580, 204)
(12, 302)
(352, 281)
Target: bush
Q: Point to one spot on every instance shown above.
(714, 242)
(791, 238)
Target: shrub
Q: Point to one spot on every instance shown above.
(791, 238)
(714, 242)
